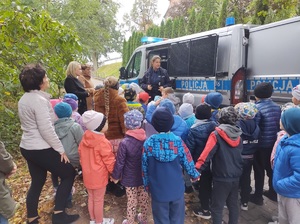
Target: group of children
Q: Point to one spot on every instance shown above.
(168, 148)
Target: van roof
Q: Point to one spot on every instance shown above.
(279, 23)
(195, 35)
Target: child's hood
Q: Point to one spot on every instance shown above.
(178, 121)
(138, 134)
(62, 126)
(91, 139)
(230, 134)
(164, 146)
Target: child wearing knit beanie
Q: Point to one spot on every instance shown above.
(186, 113)
(214, 99)
(71, 100)
(130, 175)
(163, 158)
(246, 113)
(223, 150)
(70, 134)
(97, 161)
(286, 170)
(197, 138)
(296, 95)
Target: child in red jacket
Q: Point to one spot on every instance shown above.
(97, 162)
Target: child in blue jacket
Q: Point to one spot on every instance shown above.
(163, 158)
(286, 175)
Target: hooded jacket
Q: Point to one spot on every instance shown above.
(249, 136)
(163, 158)
(96, 158)
(179, 127)
(128, 166)
(198, 136)
(286, 174)
(70, 134)
(7, 203)
(224, 147)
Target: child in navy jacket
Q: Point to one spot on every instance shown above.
(246, 113)
(163, 158)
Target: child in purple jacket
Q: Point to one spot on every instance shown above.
(128, 167)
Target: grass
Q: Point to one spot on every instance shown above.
(109, 70)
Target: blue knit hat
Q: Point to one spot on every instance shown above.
(214, 99)
(168, 104)
(63, 110)
(290, 120)
(70, 95)
(162, 119)
(133, 119)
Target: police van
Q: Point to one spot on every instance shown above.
(231, 60)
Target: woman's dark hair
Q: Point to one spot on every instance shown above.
(31, 77)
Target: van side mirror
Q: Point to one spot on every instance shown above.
(123, 73)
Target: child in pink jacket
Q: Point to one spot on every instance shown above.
(97, 162)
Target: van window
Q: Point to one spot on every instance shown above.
(194, 58)
(179, 59)
(203, 56)
(134, 66)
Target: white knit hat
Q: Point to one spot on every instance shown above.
(296, 92)
(92, 119)
(185, 110)
(188, 98)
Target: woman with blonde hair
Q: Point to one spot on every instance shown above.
(155, 79)
(109, 102)
(73, 84)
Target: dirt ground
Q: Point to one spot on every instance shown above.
(114, 207)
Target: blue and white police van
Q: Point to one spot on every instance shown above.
(231, 60)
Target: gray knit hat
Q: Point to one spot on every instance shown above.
(227, 115)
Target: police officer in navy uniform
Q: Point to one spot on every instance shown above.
(155, 78)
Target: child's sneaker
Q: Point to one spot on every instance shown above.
(244, 206)
(202, 214)
(108, 221)
(125, 221)
(92, 222)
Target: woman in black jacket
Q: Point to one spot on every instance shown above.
(74, 85)
(155, 79)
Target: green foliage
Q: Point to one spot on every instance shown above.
(223, 14)
(125, 55)
(29, 36)
(109, 70)
(181, 27)
(175, 28)
(94, 22)
(162, 29)
(191, 22)
(168, 28)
